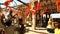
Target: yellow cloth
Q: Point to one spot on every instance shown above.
(57, 31)
(50, 25)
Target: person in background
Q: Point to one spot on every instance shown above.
(57, 26)
(50, 26)
(21, 26)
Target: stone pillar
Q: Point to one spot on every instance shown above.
(33, 20)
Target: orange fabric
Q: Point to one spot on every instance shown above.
(27, 11)
(20, 13)
(9, 0)
(58, 5)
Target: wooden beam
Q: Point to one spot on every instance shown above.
(22, 2)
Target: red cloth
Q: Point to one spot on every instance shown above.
(34, 12)
(6, 3)
(37, 7)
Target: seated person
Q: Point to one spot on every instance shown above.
(50, 26)
(57, 26)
